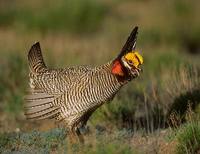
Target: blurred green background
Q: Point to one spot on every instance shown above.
(92, 32)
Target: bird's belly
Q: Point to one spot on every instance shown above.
(83, 98)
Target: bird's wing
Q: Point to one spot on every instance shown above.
(40, 105)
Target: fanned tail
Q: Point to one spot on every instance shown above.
(35, 58)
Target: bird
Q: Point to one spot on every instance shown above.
(73, 93)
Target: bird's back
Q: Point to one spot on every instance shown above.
(54, 81)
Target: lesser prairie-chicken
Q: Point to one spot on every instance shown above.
(72, 94)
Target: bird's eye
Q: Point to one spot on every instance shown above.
(130, 62)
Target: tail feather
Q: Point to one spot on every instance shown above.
(35, 58)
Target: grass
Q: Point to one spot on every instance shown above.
(53, 141)
(188, 138)
(187, 135)
(71, 16)
(34, 142)
(13, 82)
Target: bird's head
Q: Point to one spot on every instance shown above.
(128, 62)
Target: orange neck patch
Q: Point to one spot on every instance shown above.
(117, 68)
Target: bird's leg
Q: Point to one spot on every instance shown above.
(80, 136)
(72, 138)
(72, 144)
(75, 134)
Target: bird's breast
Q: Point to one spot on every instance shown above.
(92, 91)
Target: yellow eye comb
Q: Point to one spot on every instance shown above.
(135, 58)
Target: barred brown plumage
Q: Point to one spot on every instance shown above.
(72, 94)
